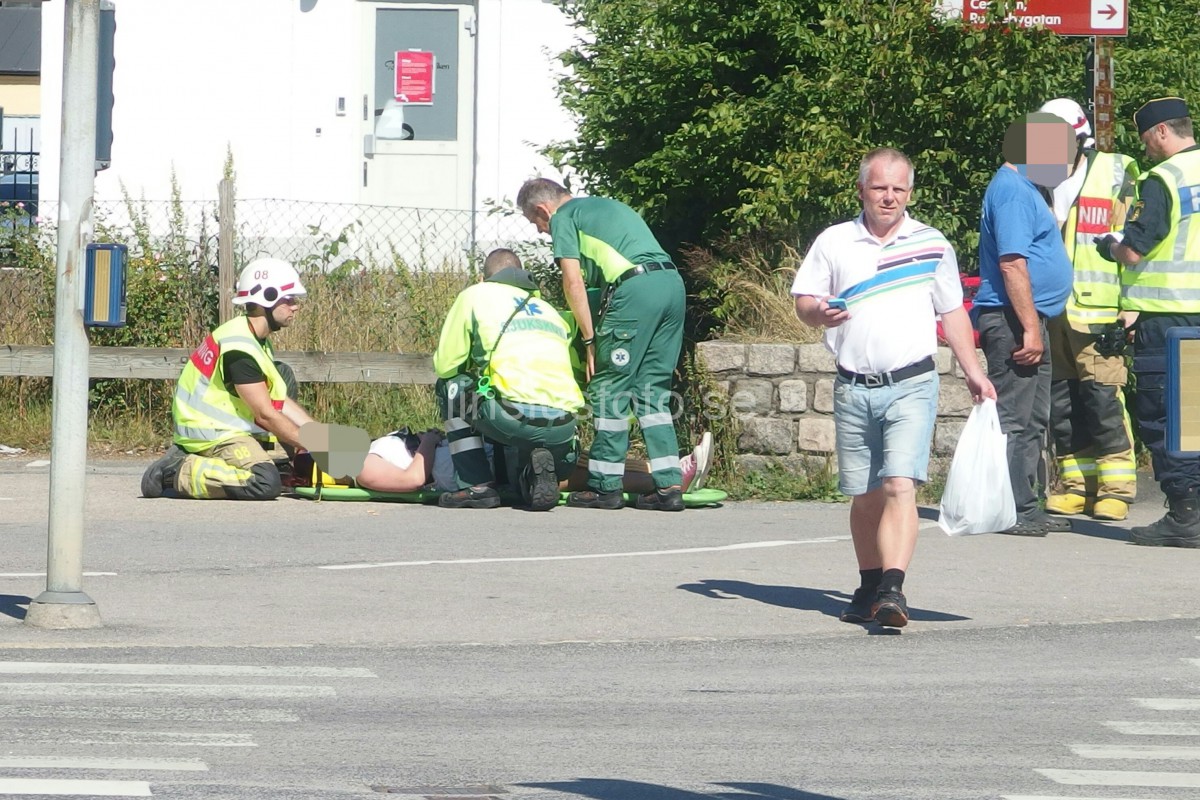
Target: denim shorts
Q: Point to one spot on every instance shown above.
(883, 431)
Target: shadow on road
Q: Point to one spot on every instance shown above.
(1099, 530)
(612, 789)
(827, 601)
(10, 605)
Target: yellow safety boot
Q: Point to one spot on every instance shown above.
(1110, 508)
(1066, 504)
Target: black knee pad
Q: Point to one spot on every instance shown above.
(265, 485)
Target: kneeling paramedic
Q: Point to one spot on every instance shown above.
(232, 407)
(504, 372)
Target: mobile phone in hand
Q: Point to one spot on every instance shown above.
(836, 302)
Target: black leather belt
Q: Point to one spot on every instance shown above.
(888, 378)
(642, 269)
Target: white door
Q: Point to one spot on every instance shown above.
(418, 109)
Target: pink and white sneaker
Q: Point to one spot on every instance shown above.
(695, 464)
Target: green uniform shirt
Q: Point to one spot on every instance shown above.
(605, 235)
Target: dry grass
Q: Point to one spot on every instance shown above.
(749, 293)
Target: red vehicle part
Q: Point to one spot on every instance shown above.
(970, 285)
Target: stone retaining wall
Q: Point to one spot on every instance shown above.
(782, 395)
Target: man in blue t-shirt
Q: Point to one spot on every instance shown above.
(1026, 278)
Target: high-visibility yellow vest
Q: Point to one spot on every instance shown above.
(205, 411)
(1168, 278)
(531, 364)
(1096, 293)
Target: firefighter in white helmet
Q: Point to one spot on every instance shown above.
(1088, 421)
(234, 403)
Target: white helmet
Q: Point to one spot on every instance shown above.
(266, 281)
(1070, 112)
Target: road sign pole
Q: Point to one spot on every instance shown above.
(64, 604)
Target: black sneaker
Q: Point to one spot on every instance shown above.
(159, 477)
(591, 499)
(891, 610)
(540, 481)
(661, 500)
(862, 606)
(470, 498)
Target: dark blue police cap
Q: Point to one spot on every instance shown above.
(1159, 110)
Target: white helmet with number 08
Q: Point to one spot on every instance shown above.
(266, 281)
(1070, 112)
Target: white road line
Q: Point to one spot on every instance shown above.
(1097, 777)
(681, 551)
(157, 738)
(1195, 662)
(178, 689)
(1168, 703)
(1154, 728)
(189, 670)
(62, 788)
(148, 713)
(63, 762)
(1059, 797)
(1138, 751)
(42, 574)
(38, 463)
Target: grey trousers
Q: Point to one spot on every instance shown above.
(1023, 399)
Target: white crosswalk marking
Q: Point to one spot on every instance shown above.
(148, 713)
(74, 788)
(225, 690)
(1062, 797)
(64, 762)
(178, 670)
(162, 738)
(1096, 777)
(1144, 752)
(1155, 728)
(1168, 703)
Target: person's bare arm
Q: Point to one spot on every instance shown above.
(269, 418)
(1015, 271)
(957, 327)
(816, 313)
(575, 290)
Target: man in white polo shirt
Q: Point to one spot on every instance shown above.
(877, 283)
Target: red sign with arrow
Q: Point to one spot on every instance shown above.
(1064, 17)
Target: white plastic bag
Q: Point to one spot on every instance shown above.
(978, 497)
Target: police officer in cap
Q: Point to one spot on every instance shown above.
(1160, 289)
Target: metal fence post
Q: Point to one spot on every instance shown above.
(64, 604)
(226, 225)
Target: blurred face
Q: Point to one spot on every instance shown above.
(284, 312)
(540, 217)
(1154, 141)
(884, 195)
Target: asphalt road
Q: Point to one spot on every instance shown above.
(325, 650)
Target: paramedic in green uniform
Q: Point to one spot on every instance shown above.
(603, 243)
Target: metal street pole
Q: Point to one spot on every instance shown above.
(64, 604)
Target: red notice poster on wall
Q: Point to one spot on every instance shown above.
(414, 77)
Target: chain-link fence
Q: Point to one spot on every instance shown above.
(380, 279)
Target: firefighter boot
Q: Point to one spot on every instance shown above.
(1067, 504)
(1180, 527)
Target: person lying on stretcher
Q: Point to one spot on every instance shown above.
(404, 462)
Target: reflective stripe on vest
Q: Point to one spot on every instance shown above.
(1167, 280)
(1097, 283)
(204, 410)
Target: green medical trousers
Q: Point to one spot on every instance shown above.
(469, 418)
(637, 349)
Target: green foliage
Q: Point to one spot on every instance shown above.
(727, 117)
(778, 483)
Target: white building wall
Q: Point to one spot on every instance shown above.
(262, 76)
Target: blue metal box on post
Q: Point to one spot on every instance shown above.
(104, 292)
